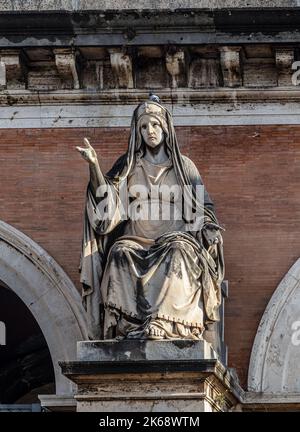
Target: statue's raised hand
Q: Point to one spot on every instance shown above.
(88, 152)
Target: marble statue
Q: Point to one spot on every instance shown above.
(149, 277)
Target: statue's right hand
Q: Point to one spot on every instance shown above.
(88, 152)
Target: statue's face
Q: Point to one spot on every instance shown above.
(151, 131)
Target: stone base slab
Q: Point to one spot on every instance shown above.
(135, 350)
(134, 386)
(151, 376)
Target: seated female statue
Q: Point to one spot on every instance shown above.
(146, 275)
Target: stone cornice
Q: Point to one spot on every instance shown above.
(115, 26)
(87, 371)
(100, 5)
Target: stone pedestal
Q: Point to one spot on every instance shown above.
(156, 376)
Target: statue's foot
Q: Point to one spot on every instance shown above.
(154, 331)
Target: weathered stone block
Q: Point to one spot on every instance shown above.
(284, 59)
(13, 72)
(204, 73)
(260, 72)
(65, 60)
(158, 385)
(135, 350)
(151, 73)
(121, 64)
(175, 63)
(145, 375)
(231, 66)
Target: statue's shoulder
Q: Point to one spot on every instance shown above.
(191, 168)
(188, 161)
(192, 171)
(195, 179)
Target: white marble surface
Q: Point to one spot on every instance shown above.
(93, 114)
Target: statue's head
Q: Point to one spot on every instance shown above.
(151, 122)
(151, 130)
(151, 125)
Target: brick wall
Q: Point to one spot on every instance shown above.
(252, 173)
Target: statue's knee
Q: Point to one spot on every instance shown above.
(180, 247)
(117, 250)
(177, 246)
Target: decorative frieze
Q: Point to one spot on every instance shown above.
(147, 68)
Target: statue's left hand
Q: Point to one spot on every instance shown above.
(211, 234)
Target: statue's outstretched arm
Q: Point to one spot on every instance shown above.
(89, 154)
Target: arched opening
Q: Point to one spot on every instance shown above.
(26, 368)
(48, 294)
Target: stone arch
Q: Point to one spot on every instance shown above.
(275, 357)
(49, 294)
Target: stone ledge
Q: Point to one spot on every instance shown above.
(85, 368)
(117, 115)
(271, 398)
(91, 371)
(58, 403)
(181, 97)
(268, 402)
(161, 23)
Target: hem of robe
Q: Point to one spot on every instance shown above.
(113, 308)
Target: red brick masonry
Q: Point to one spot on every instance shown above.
(251, 172)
